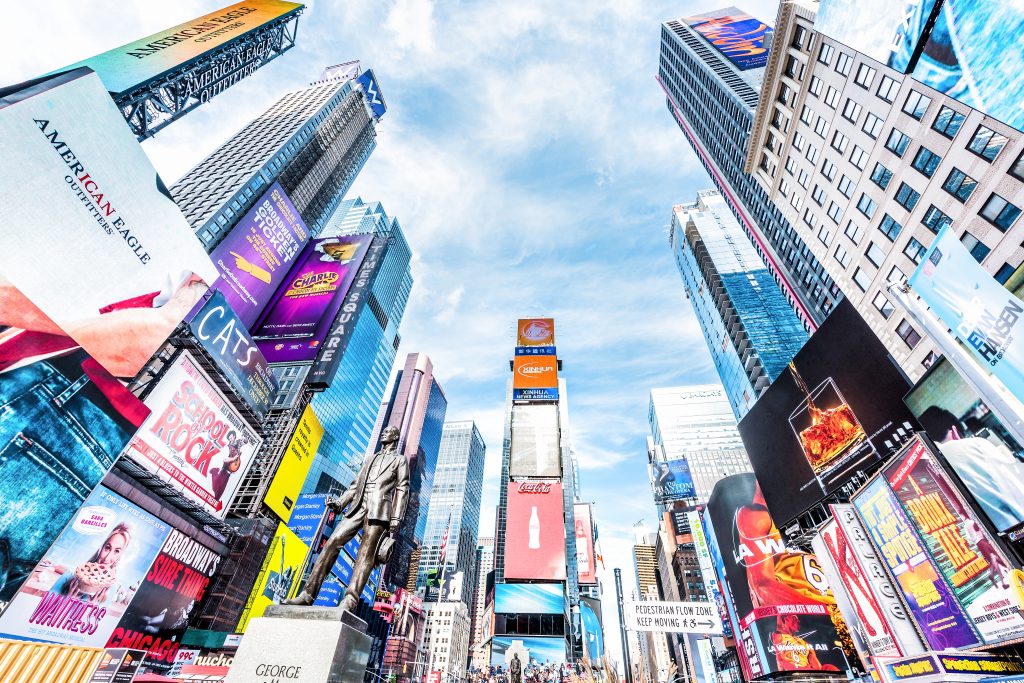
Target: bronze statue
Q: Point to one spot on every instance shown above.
(515, 669)
(375, 503)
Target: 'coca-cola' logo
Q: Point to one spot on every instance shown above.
(534, 487)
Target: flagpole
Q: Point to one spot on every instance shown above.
(440, 583)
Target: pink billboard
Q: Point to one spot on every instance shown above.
(586, 568)
(535, 531)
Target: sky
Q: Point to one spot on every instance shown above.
(528, 154)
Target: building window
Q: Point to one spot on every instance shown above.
(844, 63)
(907, 197)
(809, 218)
(846, 187)
(862, 279)
(959, 184)
(785, 95)
(914, 250)
(999, 212)
(797, 200)
(839, 142)
(977, 248)
(799, 37)
(832, 97)
(767, 165)
(987, 143)
(889, 227)
(854, 232)
(821, 127)
(908, 334)
(815, 88)
(865, 76)
(828, 169)
(834, 212)
(806, 114)
(1004, 273)
(791, 165)
(916, 105)
(896, 275)
(804, 179)
(926, 161)
(851, 110)
(948, 122)
(858, 157)
(825, 235)
(780, 121)
(784, 188)
(882, 305)
(1017, 170)
(881, 176)
(842, 256)
(812, 154)
(875, 254)
(872, 125)
(825, 53)
(818, 195)
(888, 88)
(866, 205)
(897, 142)
(798, 141)
(794, 67)
(935, 220)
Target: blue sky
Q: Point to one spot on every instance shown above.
(529, 156)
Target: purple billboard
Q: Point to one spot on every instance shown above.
(303, 309)
(255, 257)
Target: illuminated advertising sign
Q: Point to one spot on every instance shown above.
(165, 601)
(529, 598)
(980, 574)
(593, 628)
(535, 447)
(836, 412)
(535, 332)
(279, 577)
(535, 532)
(194, 440)
(80, 589)
(737, 35)
(787, 613)
(535, 378)
(372, 92)
(101, 249)
(952, 667)
(535, 653)
(719, 593)
(304, 308)
(295, 464)
(586, 565)
(672, 481)
(131, 65)
(981, 312)
(932, 604)
(887, 32)
(705, 561)
(223, 336)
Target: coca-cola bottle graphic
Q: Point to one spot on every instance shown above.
(582, 556)
(534, 529)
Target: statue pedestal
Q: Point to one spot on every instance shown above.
(302, 645)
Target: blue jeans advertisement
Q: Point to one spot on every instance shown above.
(63, 422)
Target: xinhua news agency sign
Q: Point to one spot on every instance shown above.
(673, 617)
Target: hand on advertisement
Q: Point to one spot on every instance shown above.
(246, 267)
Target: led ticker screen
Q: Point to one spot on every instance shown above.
(737, 35)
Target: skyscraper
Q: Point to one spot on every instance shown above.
(750, 330)
(484, 566)
(454, 511)
(712, 93)
(653, 646)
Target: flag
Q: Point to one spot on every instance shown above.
(597, 548)
(444, 542)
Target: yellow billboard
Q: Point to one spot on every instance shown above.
(279, 577)
(295, 463)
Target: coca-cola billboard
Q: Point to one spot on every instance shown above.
(535, 531)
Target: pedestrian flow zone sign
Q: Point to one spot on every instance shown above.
(673, 617)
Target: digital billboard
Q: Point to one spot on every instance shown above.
(83, 585)
(372, 92)
(75, 175)
(166, 599)
(48, 470)
(536, 653)
(279, 577)
(737, 35)
(887, 32)
(193, 439)
(586, 563)
(223, 335)
(535, 446)
(132, 65)
(973, 441)
(295, 463)
(535, 332)
(529, 598)
(786, 612)
(535, 378)
(535, 531)
(302, 311)
(672, 481)
(935, 609)
(708, 571)
(836, 413)
(969, 558)
(593, 628)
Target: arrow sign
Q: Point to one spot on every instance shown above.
(673, 617)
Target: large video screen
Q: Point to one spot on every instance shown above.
(737, 35)
(535, 531)
(888, 32)
(529, 598)
(535, 447)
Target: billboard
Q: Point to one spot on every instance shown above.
(535, 531)
(535, 378)
(279, 577)
(302, 311)
(836, 413)
(787, 615)
(586, 563)
(194, 440)
(529, 598)
(535, 332)
(734, 33)
(223, 335)
(166, 599)
(593, 628)
(953, 667)
(75, 175)
(295, 463)
(46, 469)
(82, 586)
(973, 441)
(537, 654)
(672, 481)
(372, 92)
(131, 65)
(709, 576)
(887, 32)
(535, 445)
(981, 576)
(722, 596)
(938, 615)
(979, 310)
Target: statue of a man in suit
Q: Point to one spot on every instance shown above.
(376, 504)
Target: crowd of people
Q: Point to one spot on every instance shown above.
(532, 673)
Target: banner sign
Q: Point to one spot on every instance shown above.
(194, 439)
(536, 351)
(372, 92)
(223, 335)
(295, 463)
(672, 617)
(951, 667)
(672, 481)
(535, 332)
(535, 531)
(279, 577)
